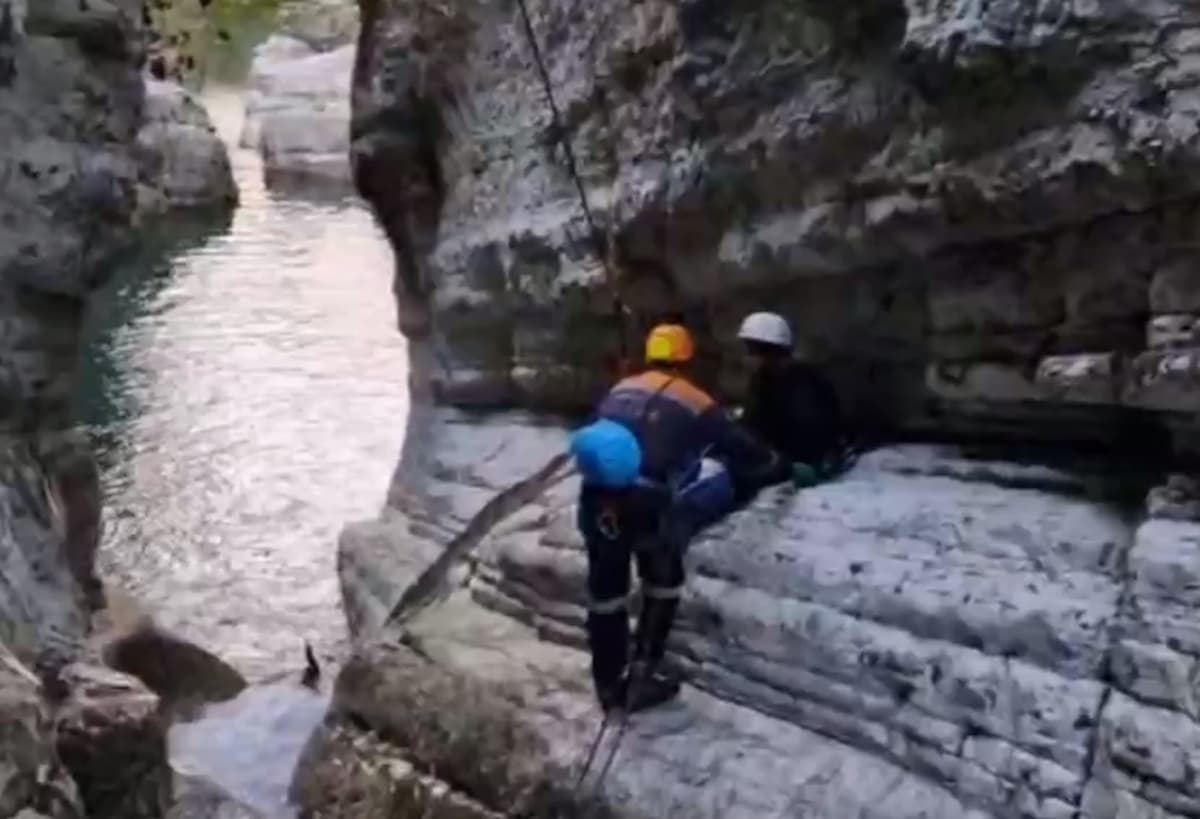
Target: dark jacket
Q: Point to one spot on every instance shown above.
(794, 409)
(677, 423)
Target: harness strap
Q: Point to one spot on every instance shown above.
(662, 592)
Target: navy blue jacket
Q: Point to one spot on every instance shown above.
(677, 423)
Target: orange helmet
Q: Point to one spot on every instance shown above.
(669, 344)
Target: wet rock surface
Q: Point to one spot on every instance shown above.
(185, 162)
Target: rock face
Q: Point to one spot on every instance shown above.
(298, 109)
(982, 214)
(70, 109)
(982, 217)
(185, 163)
(71, 104)
(940, 632)
(33, 784)
(113, 740)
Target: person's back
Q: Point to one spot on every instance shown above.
(670, 417)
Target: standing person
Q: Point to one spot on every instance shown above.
(652, 432)
(790, 406)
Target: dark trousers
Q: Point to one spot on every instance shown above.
(616, 528)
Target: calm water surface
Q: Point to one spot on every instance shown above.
(247, 386)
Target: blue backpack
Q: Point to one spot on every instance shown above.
(607, 454)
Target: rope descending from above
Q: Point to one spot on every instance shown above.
(599, 246)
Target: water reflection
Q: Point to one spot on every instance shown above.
(250, 745)
(247, 387)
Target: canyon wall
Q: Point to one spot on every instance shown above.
(980, 214)
(981, 217)
(71, 98)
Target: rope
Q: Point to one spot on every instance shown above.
(622, 720)
(560, 133)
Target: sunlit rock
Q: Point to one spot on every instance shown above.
(185, 163)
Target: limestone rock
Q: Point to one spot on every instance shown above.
(981, 191)
(32, 783)
(298, 109)
(981, 217)
(112, 739)
(967, 628)
(70, 107)
(185, 163)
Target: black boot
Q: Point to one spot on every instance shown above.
(647, 688)
(608, 637)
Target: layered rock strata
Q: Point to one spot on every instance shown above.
(940, 632)
(981, 217)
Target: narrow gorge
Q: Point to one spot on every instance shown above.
(982, 218)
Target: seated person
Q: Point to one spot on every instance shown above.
(790, 405)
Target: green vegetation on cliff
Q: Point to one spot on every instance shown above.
(209, 40)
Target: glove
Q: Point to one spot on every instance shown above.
(803, 476)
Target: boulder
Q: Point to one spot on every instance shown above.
(185, 162)
(112, 738)
(32, 782)
(298, 109)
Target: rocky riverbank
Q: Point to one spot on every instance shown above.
(982, 221)
(78, 739)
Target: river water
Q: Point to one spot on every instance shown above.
(246, 385)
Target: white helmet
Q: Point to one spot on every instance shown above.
(766, 328)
